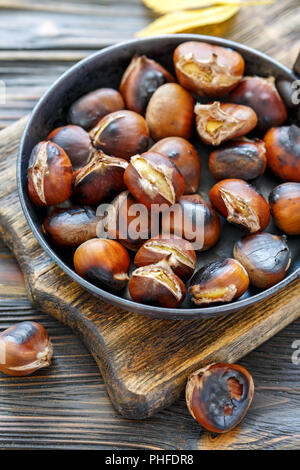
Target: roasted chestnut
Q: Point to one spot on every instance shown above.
(219, 395)
(206, 69)
(71, 227)
(49, 175)
(285, 207)
(140, 80)
(283, 152)
(24, 348)
(219, 282)
(185, 157)
(102, 261)
(262, 96)
(156, 284)
(154, 180)
(245, 159)
(76, 143)
(182, 260)
(121, 134)
(193, 219)
(265, 257)
(218, 122)
(100, 179)
(241, 204)
(170, 112)
(90, 108)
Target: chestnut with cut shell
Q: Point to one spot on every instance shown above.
(218, 396)
(25, 348)
(208, 70)
(140, 80)
(285, 207)
(218, 122)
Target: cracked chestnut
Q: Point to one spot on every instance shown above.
(121, 134)
(140, 80)
(208, 70)
(102, 261)
(24, 348)
(218, 122)
(170, 112)
(185, 157)
(90, 108)
(285, 207)
(265, 257)
(157, 284)
(218, 396)
(219, 282)
(240, 204)
(49, 175)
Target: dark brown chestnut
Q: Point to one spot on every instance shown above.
(285, 207)
(49, 175)
(102, 261)
(182, 260)
(100, 179)
(265, 257)
(206, 69)
(121, 134)
(156, 284)
(71, 227)
(219, 282)
(245, 159)
(76, 143)
(218, 122)
(90, 108)
(140, 80)
(219, 395)
(185, 157)
(170, 112)
(283, 152)
(262, 96)
(241, 204)
(24, 348)
(154, 180)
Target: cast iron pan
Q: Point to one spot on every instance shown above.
(104, 69)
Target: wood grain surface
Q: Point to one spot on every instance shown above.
(66, 406)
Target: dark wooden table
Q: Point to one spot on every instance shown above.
(66, 406)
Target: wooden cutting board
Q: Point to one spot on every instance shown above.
(144, 362)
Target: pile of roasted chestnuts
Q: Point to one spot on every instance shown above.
(104, 154)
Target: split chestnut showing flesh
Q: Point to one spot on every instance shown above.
(245, 159)
(71, 227)
(90, 108)
(153, 179)
(121, 134)
(185, 157)
(100, 179)
(262, 96)
(208, 70)
(75, 142)
(156, 284)
(181, 255)
(241, 204)
(285, 207)
(283, 152)
(218, 122)
(140, 80)
(219, 395)
(265, 257)
(102, 261)
(25, 348)
(170, 112)
(219, 282)
(49, 175)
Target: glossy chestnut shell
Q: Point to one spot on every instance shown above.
(285, 207)
(219, 395)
